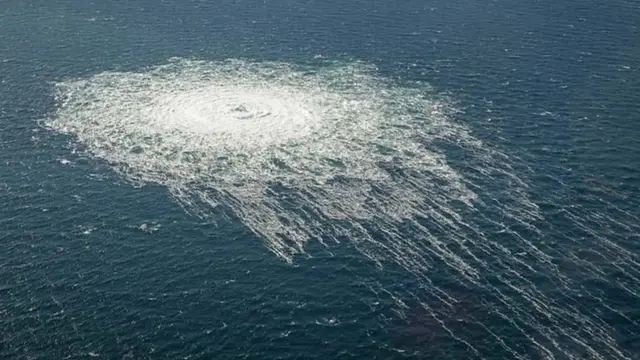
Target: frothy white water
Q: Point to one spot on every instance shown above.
(226, 133)
(329, 153)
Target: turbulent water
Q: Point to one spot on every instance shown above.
(319, 180)
(334, 152)
(296, 153)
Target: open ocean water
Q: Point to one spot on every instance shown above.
(319, 179)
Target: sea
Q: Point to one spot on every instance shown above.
(278, 179)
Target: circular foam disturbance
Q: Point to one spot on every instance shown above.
(328, 152)
(345, 143)
(336, 136)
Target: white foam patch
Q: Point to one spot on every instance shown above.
(335, 152)
(226, 133)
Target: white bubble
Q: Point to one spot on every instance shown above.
(337, 152)
(227, 132)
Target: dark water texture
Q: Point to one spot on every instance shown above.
(92, 266)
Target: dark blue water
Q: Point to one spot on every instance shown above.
(91, 266)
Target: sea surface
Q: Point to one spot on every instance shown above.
(330, 179)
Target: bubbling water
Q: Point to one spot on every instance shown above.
(238, 113)
(336, 152)
(227, 132)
